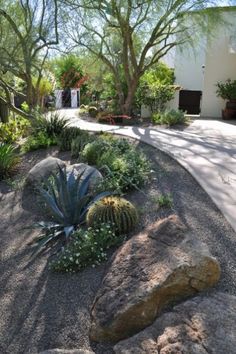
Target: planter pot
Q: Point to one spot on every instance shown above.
(228, 113)
(231, 104)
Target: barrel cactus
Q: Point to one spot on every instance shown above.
(118, 211)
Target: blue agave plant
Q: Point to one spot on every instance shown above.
(68, 200)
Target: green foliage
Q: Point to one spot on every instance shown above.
(92, 151)
(86, 248)
(164, 200)
(67, 136)
(170, 118)
(14, 129)
(37, 141)
(67, 200)
(93, 111)
(226, 90)
(44, 87)
(126, 167)
(156, 87)
(114, 210)
(68, 72)
(53, 125)
(78, 144)
(8, 160)
(25, 107)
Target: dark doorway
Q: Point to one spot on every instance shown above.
(190, 101)
(78, 98)
(66, 98)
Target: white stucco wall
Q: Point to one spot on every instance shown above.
(220, 65)
(188, 67)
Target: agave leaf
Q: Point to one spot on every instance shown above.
(83, 189)
(51, 203)
(46, 224)
(48, 238)
(81, 206)
(68, 230)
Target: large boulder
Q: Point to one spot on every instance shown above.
(202, 325)
(44, 169)
(153, 269)
(86, 170)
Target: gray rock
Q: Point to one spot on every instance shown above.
(159, 266)
(43, 170)
(201, 325)
(86, 169)
(67, 351)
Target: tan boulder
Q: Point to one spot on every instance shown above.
(159, 266)
(201, 325)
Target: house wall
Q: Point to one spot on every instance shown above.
(189, 72)
(220, 65)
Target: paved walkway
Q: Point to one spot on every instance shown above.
(207, 149)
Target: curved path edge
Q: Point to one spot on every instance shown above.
(207, 150)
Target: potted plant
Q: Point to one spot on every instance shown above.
(227, 91)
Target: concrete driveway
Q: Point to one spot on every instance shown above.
(207, 149)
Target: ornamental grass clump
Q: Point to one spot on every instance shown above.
(118, 211)
(8, 160)
(86, 248)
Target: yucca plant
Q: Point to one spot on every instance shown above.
(8, 159)
(68, 200)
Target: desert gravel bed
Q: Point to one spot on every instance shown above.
(41, 310)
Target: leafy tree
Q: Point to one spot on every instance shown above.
(28, 29)
(69, 73)
(130, 36)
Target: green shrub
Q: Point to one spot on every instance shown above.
(8, 160)
(14, 129)
(164, 200)
(67, 136)
(227, 89)
(92, 151)
(86, 248)
(126, 167)
(67, 200)
(115, 210)
(38, 141)
(170, 118)
(78, 144)
(93, 111)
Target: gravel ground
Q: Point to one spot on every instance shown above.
(42, 310)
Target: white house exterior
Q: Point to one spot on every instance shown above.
(214, 59)
(74, 98)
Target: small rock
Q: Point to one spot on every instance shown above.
(198, 326)
(44, 169)
(157, 267)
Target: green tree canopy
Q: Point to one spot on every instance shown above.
(130, 36)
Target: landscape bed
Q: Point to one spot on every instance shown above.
(42, 309)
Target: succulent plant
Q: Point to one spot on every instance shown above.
(67, 200)
(112, 209)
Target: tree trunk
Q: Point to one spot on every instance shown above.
(4, 111)
(127, 106)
